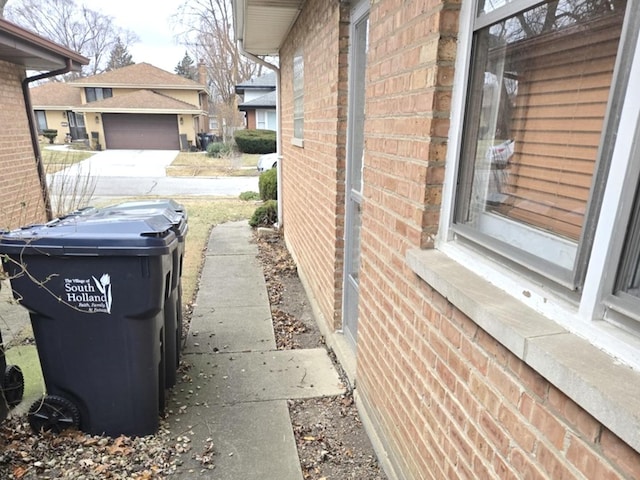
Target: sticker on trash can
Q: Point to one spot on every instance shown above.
(89, 295)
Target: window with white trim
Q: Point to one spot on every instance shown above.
(266, 120)
(546, 171)
(41, 120)
(94, 94)
(298, 95)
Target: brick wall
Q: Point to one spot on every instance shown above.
(445, 398)
(20, 192)
(313, 186)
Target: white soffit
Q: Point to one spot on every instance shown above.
(267, 23)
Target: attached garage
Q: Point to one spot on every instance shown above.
(140, 132)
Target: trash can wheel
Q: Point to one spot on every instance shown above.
(53, 413)
(13, 385)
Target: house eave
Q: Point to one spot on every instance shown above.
(262, 25)
(22, 47)
(138, 86)
(150, 111)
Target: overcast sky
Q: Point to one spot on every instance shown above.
(149, 19)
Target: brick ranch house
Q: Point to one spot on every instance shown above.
(139, 106)
(460, 195)
(23, 191)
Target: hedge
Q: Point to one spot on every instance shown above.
(255, 141)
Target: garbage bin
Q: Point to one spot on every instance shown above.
(204, 141)
(95, 288)
(176, 214)
(11, 384)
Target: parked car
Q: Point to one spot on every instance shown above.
(267, 161)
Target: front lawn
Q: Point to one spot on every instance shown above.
(57, 160)
(198, 164)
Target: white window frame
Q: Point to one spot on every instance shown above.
(578, 313)
(262, 119)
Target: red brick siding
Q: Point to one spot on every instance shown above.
(447, 399)
(251, 119)
(313, 186)
(20, 193)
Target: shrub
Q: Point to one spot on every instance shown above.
(268, 185)
(248, 196)
(50, 133)
(265, 215)
(255, 141)
(219, 149)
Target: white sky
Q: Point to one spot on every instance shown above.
(150, 20)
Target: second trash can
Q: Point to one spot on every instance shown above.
(95, 288)
(176, 214)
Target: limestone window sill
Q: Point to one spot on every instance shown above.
(593, 379)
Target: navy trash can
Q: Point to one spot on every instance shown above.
(11, 384)
(176, 214)
(95, 288)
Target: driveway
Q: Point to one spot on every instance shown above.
(124, 163)
(118, 173)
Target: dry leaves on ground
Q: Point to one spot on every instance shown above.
(332, 443)
(73, 454)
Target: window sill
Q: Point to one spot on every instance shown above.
(297, 142)
(593, 379)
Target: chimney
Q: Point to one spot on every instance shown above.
(202, 73)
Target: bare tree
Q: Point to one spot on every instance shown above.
(208, 35)
(2, 4)
(86, 31)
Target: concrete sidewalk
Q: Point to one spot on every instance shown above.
(240, 383)
(233, 397)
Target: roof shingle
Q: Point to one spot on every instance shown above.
(140, 75)
(55, 95)
(140, 100)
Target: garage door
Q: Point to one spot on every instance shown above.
(136, 131)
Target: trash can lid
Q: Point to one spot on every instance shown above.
(175, 213)
(87, 232)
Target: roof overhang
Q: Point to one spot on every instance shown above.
(33, 52)
(149, 111)
(262, 25)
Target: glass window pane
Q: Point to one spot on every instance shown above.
(298, 95)
(41, 119)
(91, 94)
(628, 280)
(537, 100)
(358, 70)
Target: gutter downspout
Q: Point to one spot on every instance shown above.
(34, 132)
(271, 66)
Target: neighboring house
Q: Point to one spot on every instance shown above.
(135, 107)
(259, 102)
(23, 188)
(471, 249)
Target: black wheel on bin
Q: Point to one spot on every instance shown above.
(13, 385)
(53, 413)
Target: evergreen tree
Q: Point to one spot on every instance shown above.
(187, 68)
(119, 57)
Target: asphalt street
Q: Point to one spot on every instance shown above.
(123, 173)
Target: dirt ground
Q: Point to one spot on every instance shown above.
(332, 443)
